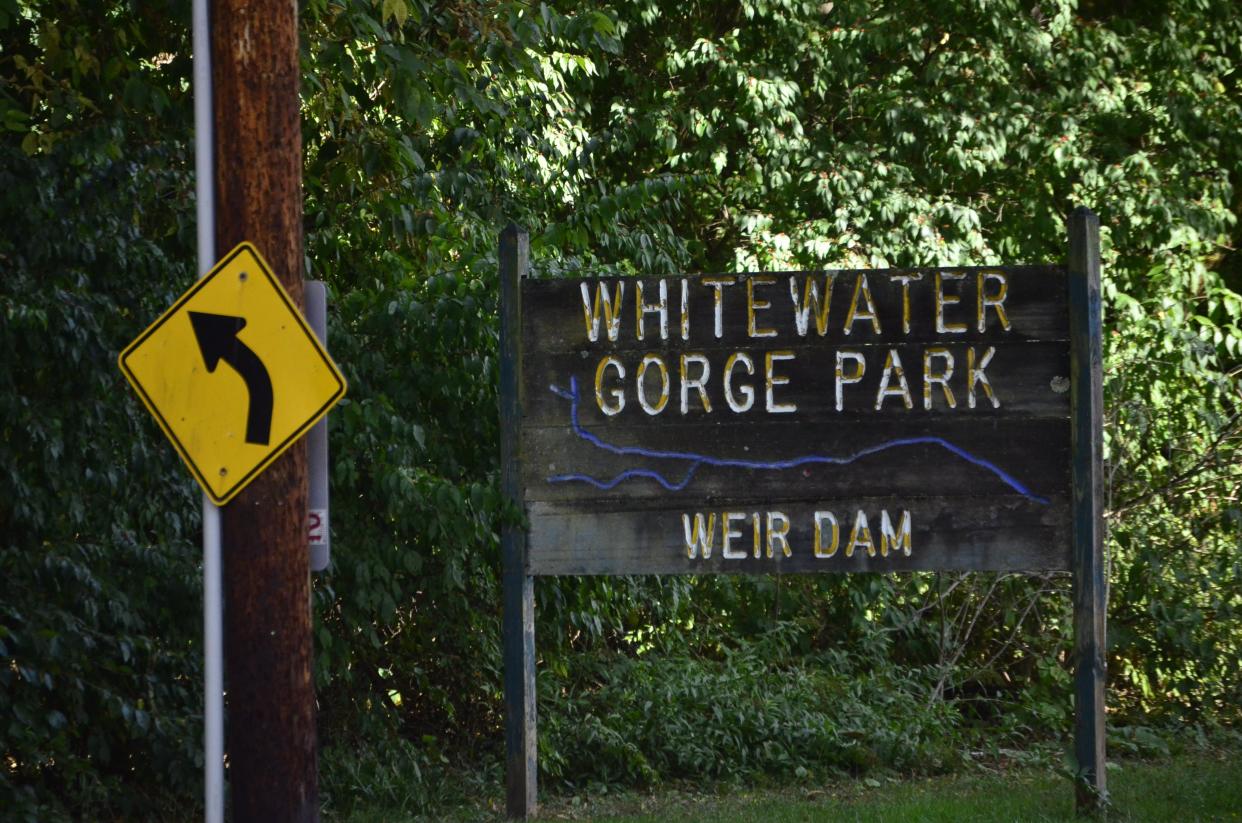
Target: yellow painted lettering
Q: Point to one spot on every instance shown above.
(753, 305)
(892, 368)
(932, 377)
(996, 300)
(748, 393)
(860, 536)
(730, 534)
(755, 529)
(611, 305)
(976, 376)
(642, 309)
(811, 303)
(771, 379)
(685, 309)
(688, 382)
(719, 284)
(943, 300)
(657, 361)
(842, 378)
(861, 289)
(895, 539)
(829, 549)
(615, 401)
(778, 533)
(906, 280)
(700, 535)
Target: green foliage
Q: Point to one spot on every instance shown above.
(634, 137)
(401, 779)
(100, 684)
(757, 712)
(857, 134)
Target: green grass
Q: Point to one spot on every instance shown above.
(1195, 786)
(1191, 788)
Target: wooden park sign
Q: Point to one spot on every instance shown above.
(802, 422)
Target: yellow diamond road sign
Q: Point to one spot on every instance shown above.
(233, 373)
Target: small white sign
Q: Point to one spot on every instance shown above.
(317, 527)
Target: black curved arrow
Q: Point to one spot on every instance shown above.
(217, 340)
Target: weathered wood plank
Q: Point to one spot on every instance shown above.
(1029, 379)
(798, 423)
(1090, 585)
(1000, 534)
(762, 309)
(741, 462)
(870, 410)
(518, 630)
(821, 451)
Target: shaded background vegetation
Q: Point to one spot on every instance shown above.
(631, 137)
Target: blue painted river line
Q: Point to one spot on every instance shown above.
(697, 460)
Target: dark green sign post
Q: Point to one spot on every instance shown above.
(1090, 583)
(803, 422)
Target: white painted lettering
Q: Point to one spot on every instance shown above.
(892, 368)
(617, 395)
(895, 539)
(730, 534)
(860, 536)
(748, 393)
(649, 407)
(778, 533)
(943, 300)
(771, 379)
(811, 303)
(719, 284)
(932, 377)
(975, 376)
(842, 379)
(861, 289)
(642, 309)
(995, 300)
(611, 309)
(700, 536)
(688, 382)
(822, 549)
(754, 305)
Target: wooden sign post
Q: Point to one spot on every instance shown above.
(1090, 581)
(518, 636)
(803, 422)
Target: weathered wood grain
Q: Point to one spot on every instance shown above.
(1090, 588)
(816, 473)
(269, 654)
(1026, 379)
(1034, 454)
(518, 630)
(990, 481)
(1000, 534)
(1035, 305)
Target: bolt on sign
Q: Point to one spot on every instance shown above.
(801, 422)
(232, 373)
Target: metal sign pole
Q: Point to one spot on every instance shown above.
(213, 622)
(317, 526)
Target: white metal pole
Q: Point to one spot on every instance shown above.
(213, 622)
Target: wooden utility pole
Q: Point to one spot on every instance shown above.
(271, 735)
